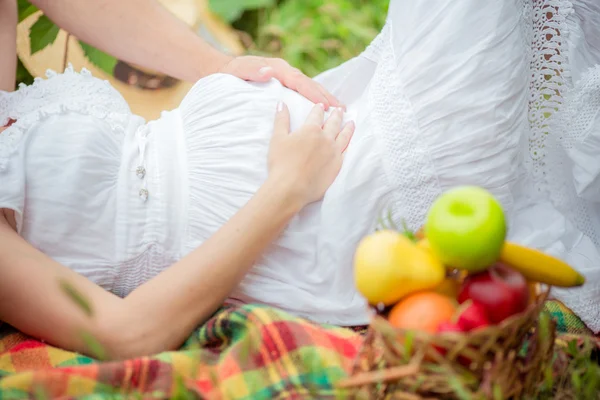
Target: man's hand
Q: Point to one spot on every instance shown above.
(260, 69)
(127, 30)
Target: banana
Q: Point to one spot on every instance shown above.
(540, 267)
(534, 265)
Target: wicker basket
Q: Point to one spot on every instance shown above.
(503, 361)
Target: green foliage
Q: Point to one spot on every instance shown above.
(25, 9)
(232, 10)
(94, 346)
(77, 297)
(23, 76)
(100, 59)
(316, 35)
(42, 34)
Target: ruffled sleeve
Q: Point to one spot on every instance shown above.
(60, 93)
(70, 91)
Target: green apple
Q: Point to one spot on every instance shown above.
(466, 228)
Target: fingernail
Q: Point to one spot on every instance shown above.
(264, 70)
(351, 125)
(279, 106)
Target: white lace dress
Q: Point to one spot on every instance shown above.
(449, 93)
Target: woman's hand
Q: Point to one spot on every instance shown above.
(261, 69)
(310, 158)
(302, 165)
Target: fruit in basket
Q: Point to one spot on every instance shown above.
(502, 291)
(449, 326)
(388, 266)
(466, 228)
(449, 287)
(537, 266)
(472, 316)
(423, 311)
(446, 327)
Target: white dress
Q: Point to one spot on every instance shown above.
(449, 93)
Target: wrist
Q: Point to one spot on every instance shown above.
(284, 193)
(206, 61)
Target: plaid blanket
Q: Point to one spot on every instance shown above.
(246, 352)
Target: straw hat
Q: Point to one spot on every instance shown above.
(147, 92)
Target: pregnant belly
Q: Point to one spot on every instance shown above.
(227, 125)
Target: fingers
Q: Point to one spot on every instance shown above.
(256, 71)
(282, 121)
(334, 123)
(313, 91)
(307, 88)
(294, 79)
(333, 102)
(260, 69)
(249, 68)
(316, 115)
(343, 139)
(264, 74)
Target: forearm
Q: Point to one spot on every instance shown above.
(189, 292)
(157, 316)
(137, 31)
(8, 43)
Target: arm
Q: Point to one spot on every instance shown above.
(8, 44)
(145, 33)
(137, 31)
(160, 314)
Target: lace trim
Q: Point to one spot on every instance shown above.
(549, 24)
(67, 92)
(412, 177)
(550, 72)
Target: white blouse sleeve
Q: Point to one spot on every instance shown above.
(30, 105)
(579, 123)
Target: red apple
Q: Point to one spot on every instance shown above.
(449, 327)
(452, 327)
(500, 290)
(472, 317)
(446, 327)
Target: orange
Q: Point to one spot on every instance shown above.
(423, 311)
